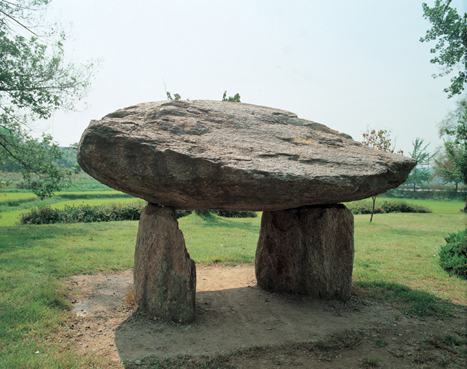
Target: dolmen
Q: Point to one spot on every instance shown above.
(234, 156)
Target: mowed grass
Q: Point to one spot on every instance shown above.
(215, 239)
(401, 250)
(396, 259)
(34, 261)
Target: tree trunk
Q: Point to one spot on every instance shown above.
(373, 208)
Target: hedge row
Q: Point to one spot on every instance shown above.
(45, 214)
(364, 207)
(227, 213)
(425, 195)
(84, 196)
(83, 213)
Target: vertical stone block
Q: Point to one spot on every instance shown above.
(307, 250)
(164, 274)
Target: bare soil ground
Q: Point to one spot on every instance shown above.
(245, 327)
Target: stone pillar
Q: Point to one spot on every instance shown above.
(307, 250)
(164, 274)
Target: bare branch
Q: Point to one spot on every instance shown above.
(17, 21)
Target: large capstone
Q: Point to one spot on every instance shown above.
(232, 156)
(307, 251)
(164, 274)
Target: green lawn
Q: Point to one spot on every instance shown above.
(403, 249)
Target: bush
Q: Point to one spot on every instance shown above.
(226, 213)
(442, 195)
(23, 185)
(235, 214)
(364, 207)
(182, 213)
(78, 196)
(44, 214)
(453, 255)
(403, 207)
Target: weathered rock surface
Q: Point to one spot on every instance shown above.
(232, 156)
(307, 251)
(164, 274)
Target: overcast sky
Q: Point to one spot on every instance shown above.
(346, 64)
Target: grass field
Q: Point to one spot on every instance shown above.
(396, 259)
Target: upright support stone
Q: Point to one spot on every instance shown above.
(307, 250)
(164, 274)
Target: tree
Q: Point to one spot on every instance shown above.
(420, 173)
(379, 140)
(34, 82)
(449, 29)
(455, 128)
(445, 169)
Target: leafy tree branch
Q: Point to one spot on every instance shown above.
(449, 30)
(35, 81)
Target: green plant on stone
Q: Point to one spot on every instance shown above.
(235, 98)
(175, 97)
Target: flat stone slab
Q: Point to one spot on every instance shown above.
(232, 156)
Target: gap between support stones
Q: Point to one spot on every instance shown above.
(307, 250)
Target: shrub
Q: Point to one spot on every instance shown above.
(203, 212)
(226, 213)
(182, 213)
(403, 207)
(453, 255)
(44, 214)
(236, 214)
(77, 196)
(364, 207)
(23, 185)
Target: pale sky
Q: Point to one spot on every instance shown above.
(346, 64)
